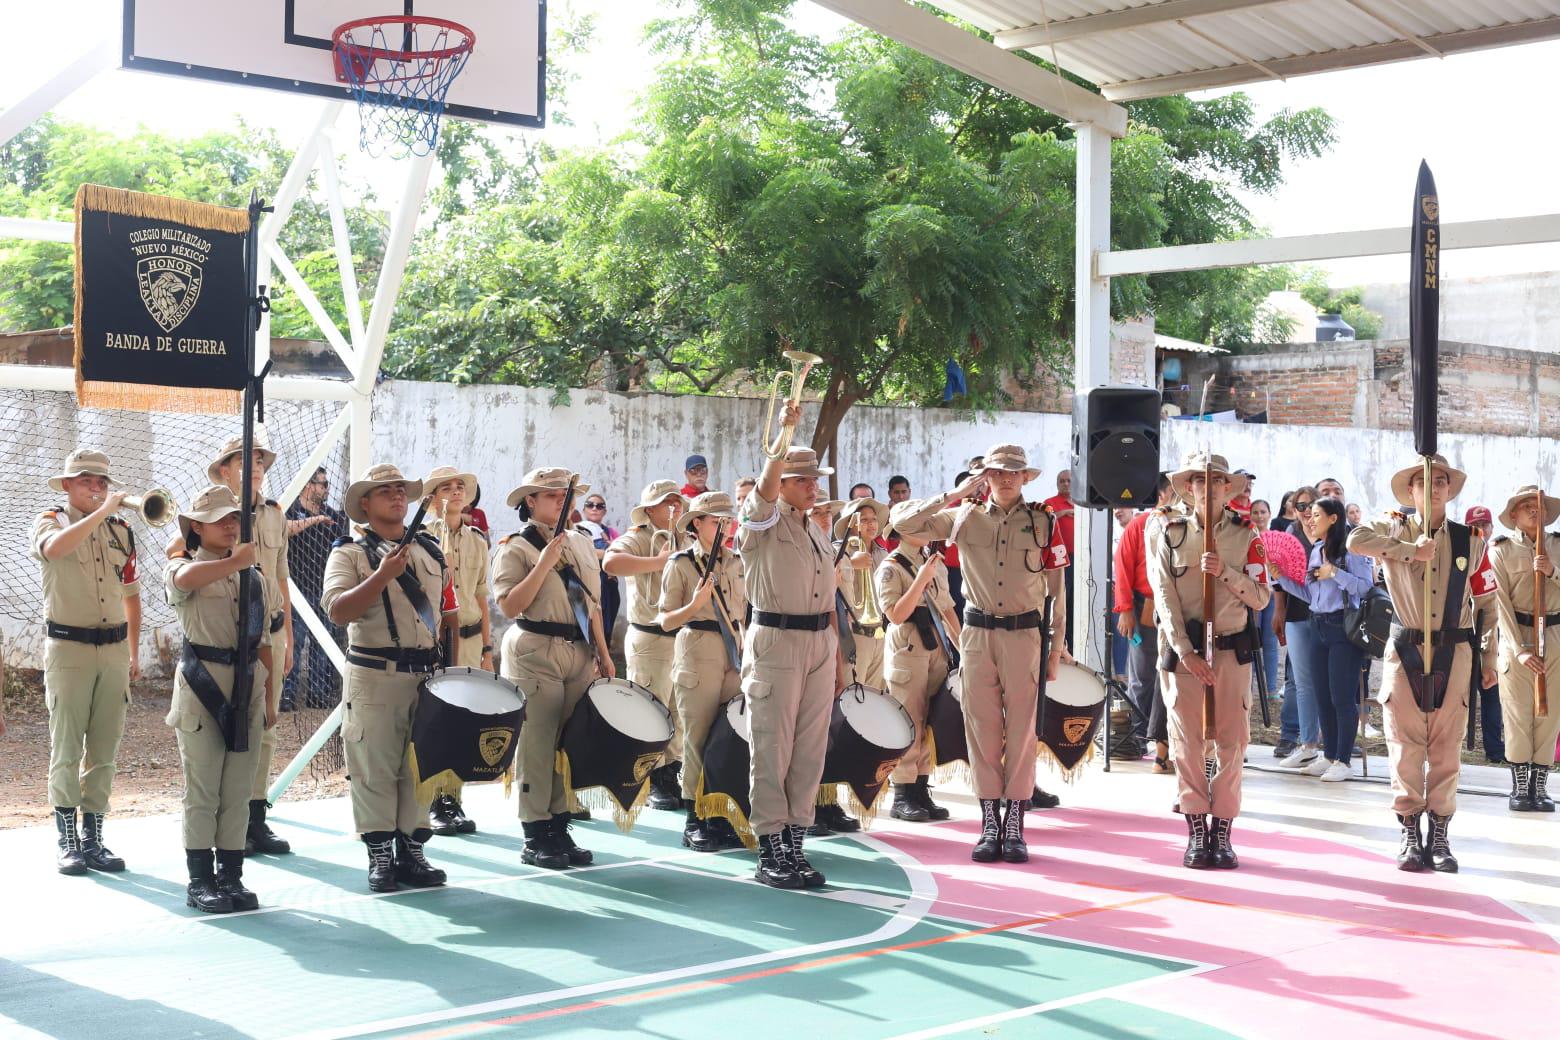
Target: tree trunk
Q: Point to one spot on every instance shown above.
(831, 410)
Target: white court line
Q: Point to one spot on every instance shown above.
(923, 893)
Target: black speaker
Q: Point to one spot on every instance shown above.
(1115, 448)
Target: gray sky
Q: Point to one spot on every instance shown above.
(1472, 116)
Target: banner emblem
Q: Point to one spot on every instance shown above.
(1431, 205)
(492, 743)
(170, 287)
(1075, 729)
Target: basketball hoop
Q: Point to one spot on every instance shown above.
(400, 68)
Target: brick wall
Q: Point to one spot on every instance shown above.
(1131, 361)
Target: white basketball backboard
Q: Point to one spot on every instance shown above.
(286, 45)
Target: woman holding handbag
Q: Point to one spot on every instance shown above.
(1336, 580)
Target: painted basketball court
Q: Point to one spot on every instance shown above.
(1102, 934)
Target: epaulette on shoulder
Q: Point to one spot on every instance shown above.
(680, 553)
(180, 554)
(1239, 520)
(1500, 539)
(345, 539)
(119, 521)
(505, 540)
(273, 502)
(1176, 518)
(1396, 514)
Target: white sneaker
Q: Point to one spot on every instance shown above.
(1300, 756)
(1319, 767)
(1337, 771)
(1373, 731)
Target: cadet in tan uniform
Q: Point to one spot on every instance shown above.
(1530, 738)
(466, 555)
(923, 629)
(1176, 563)
(270, 531)
(862, 519)
(388, 595)
(1013, 559)
(92, 616)
(640, 555)
(201, 582)
(546, 654)
(789, 659)
(703, 669)
(1423, 732)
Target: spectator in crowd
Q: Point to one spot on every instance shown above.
(594, 523)
(1353, 513)
(1118, 647)
(1335, 580)
(1241, 503)
(1286, 513)
(1134, 609)
(476, 517)
(1491, 725)
(745, 488)
(1329, 487)
(313, 525)
(1261, 515)
(862, 491)
(1061, 504)
(1300, 728)
(898, 489)
(696, 469)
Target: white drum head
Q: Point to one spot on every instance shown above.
(877, 716)
(476, 690)
(1075, 686)
(956, 685)
(631, 709)
(737, 716)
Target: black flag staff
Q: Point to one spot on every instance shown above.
(1424, 330)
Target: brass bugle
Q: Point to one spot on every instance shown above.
(657, 535)
(156, 507)
(801, 362)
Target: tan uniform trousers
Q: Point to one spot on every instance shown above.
(1425, 758)
(788, 677)
(869, 661)
(649, 658)
(376, 726)
(1528, 737)
(217, 782)
(468, 654)
(265, 752)
(87, 689)
(913, 676)
(1001, 676)
(554, 674)
(1231, 734)
(705, 681)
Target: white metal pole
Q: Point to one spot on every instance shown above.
(34, 103)
(1091, 358)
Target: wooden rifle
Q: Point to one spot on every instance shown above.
(1541, 687)
(1209, 546)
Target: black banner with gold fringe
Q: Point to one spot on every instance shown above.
(162, 298)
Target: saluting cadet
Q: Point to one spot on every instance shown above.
(466, 555)
(92, 612)
(1425, 715)
(388, 594)
(202, 585)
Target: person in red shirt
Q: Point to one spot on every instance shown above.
(1134, 609)
(697, 471)
(1061, 504)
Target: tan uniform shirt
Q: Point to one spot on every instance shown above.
(789, 562)
(850, 578)
(893, 581)
(209, 616)
(271, 555)
(1173, 550)
(1392, 542)
(1011, 561)
(348, 567)
(681, 578)
(516, 557)
(1511, 557)
(87, 588)
(466, 555)
(644, 590)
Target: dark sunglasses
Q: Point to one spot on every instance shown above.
(1304, 505)
(595, 505)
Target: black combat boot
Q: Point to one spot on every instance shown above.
(463, 823)
(1538, 774)
(1438, 851)
(906, 806)
(441, 816)
(665, 788)
(230, 879)
(578, 857)
(411, 866)
(1040, 798)
(696, 835)
(203, 893)
(835, 819)
(70, 859)
(1411, 848)
(811, 877)
(923, 795)
(381, 860)
(774, 863)
(724, 834)
(1199, 853)
(541, 847)
(97, 855)
(989, 845)
(1224, 857)
(1014, 849)
(260, 838)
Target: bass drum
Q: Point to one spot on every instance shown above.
(1070, 714)
(728, 761)
(465, 728)
(945, 723)
(868, 734)
(611, 741)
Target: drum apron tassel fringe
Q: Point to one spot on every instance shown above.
(600, 798)
(725, 806)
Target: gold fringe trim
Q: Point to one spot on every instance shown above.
(723, 805)
(599, 798)
(1069, 776)
(128, 203)
(866, 813)
(827, 795)
(147, 397)
(445, 781)
(507, 778)
(955, 771)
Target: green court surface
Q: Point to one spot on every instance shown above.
(651, 941)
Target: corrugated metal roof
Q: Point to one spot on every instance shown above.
(1163, 342)
(1148, 48)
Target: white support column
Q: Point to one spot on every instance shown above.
(1091, 352)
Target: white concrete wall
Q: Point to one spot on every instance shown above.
(1518, 311)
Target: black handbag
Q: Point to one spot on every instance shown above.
(1369, 625)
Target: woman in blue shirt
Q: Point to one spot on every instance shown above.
(1335, 580)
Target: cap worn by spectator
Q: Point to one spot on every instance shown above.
(1478, 515)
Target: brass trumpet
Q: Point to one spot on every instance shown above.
(865, 589)
(156, 507)
(801, 362)
(656, 537)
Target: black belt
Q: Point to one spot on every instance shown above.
(1527, 620)
(404, 660)
(866, 630)
(655, 630)
(703, 626)
(793, 622)
(555, 629)
(1012, 622)
(1440, 637)
(90, 636)
(214, 654)
(473, 629)
(277, 621)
